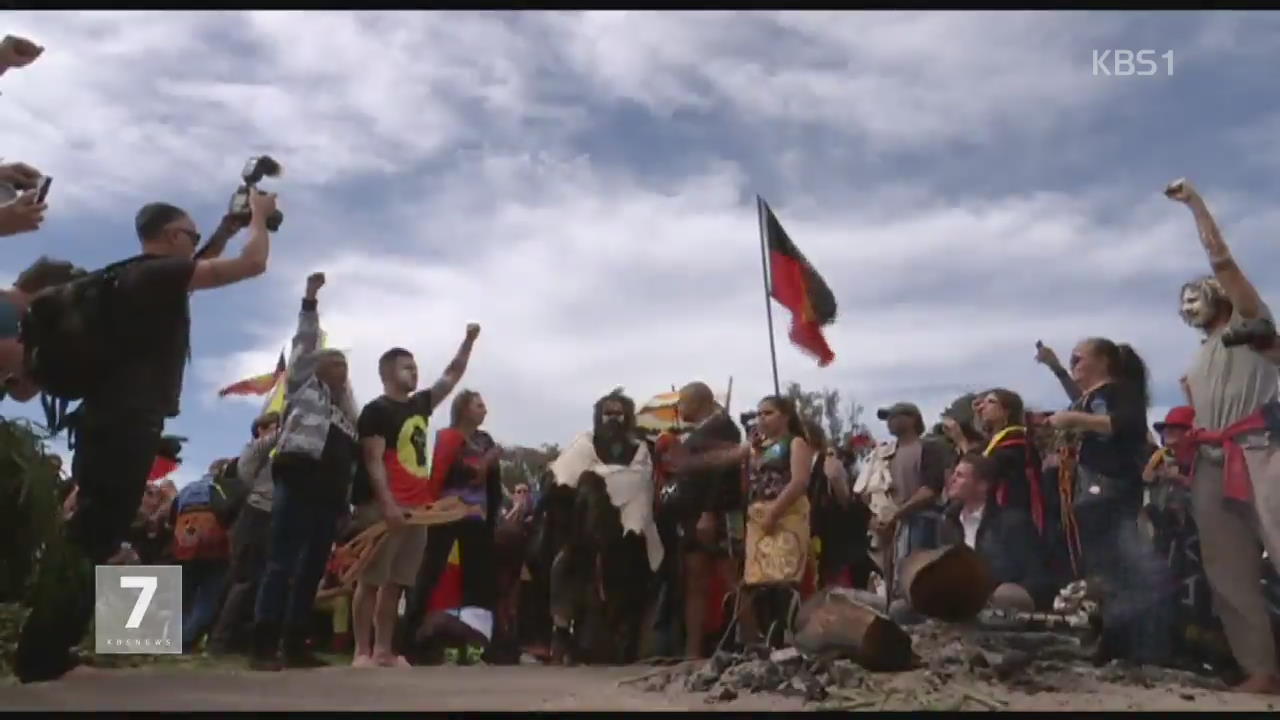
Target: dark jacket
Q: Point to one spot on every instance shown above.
(1008, 541)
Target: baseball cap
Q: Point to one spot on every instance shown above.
(1181, 416)
(902, 408)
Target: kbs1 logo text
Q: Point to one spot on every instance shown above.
(1127, 63)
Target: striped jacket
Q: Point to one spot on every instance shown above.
(309, 408)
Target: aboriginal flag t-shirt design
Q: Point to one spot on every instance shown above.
(403, 426)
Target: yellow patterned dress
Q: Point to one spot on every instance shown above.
(777, 558)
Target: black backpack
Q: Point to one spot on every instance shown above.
(68, 336)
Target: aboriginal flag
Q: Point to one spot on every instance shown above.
(798, 287)
(447, 594)
(257, 385)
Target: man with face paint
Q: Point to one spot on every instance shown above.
(612, 452)
(1235, 483)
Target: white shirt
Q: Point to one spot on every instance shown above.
(970, 520)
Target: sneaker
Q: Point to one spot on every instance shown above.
(451, 656)
(475, 655)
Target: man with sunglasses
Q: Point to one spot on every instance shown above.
(120, 422)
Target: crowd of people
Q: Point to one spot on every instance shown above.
(631, 541)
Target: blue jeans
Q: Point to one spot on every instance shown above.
(918, 532)
(207, 583)
(303, 526)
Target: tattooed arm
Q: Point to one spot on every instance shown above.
(1239, 290)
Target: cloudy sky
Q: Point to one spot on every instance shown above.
(583, 185)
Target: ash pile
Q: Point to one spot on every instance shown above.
(847, 654)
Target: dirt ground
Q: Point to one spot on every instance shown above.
(505, 688)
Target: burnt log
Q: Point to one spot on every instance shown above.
(833, 623)
(952, 583)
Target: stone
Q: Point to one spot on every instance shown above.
(978, 660)
(721, 693)
(702, 680)
(846, 674)
(722, 661)
(1012, 663)
(786, 656)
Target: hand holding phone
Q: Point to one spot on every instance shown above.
(42, 189)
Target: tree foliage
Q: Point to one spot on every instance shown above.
(839, 416)
(30, 510)
(526, 465)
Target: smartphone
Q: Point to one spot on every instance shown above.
(42, 189)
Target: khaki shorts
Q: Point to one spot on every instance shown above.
(398, 557)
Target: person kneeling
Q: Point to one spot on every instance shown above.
(1004, 536)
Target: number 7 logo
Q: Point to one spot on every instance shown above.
(147, 585)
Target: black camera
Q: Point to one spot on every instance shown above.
(257, 168)
(1260, 333)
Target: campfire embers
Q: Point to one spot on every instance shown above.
(963, 667)
(785, 672)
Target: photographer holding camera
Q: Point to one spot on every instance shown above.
(1235, 482)
(130, 324)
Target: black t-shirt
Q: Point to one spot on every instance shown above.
(717, 489)
(152, 320)
(1013, 463)
(1120, 454)
(404, 427)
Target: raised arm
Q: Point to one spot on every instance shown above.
(457, 367)
(252, 260)
(227, 229)
(1047, 357)
(306, 340)
(1243, 295)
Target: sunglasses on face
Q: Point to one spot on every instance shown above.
(192, 235)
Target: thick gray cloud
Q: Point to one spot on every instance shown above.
(583, 185)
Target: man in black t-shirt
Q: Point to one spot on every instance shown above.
(705, 497)
(394, 477)
(120, 423)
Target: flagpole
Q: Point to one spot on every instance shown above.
(768, 304)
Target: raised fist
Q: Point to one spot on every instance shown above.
(261, 204)
(1046, 356)
(1180, 190)
(473, 331)
(16, 52)
(315, 281)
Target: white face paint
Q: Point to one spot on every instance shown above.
(1195, 309)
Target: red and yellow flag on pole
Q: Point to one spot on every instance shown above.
(258, 384)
